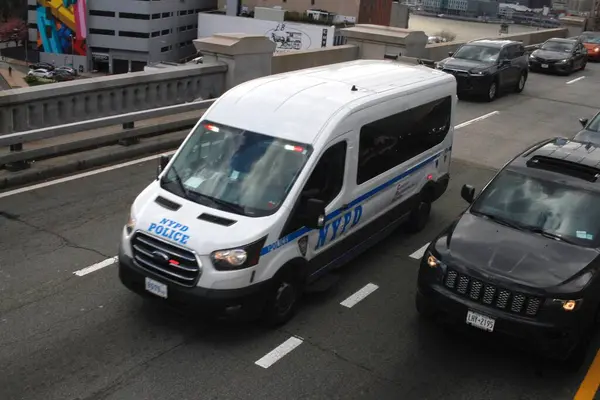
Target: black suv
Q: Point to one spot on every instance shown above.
(487, 67)
(523, 260)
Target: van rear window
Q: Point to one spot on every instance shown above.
(391, 141)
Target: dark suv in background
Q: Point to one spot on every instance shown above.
(487, 67)
(563, 56)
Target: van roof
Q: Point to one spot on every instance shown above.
(296, 105)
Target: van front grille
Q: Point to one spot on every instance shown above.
(165, 260)
(492, 295)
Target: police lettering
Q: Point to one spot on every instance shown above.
(339, 226)
(171, 230)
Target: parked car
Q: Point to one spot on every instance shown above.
(591, 130)
(66, 70)
(487, 67)
(591, 41)
(42, 65)
(523, 259)
(41, 73)
(559, 55)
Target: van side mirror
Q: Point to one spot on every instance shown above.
(450, 53)
(583, 121)
(162, 164)
(468, 193)
(315, 214)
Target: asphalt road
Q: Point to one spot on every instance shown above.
(64, 336)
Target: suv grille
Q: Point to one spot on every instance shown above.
(492, 295)
(170, 262)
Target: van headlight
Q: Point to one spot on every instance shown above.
(238, 258)
(130, 222)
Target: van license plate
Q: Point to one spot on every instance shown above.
(480, 321)
(157, 288)
(544, 65)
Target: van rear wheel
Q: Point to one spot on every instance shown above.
(419, 216)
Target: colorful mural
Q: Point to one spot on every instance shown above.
(62, 26)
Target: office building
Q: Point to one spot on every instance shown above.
(116, 36)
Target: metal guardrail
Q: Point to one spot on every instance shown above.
(17, 158)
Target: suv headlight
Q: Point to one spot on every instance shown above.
(563, 62)
(566, 305)
(130, 222)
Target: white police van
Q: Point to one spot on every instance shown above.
(287, 177)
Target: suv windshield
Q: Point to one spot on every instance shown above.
(235, 170)
(557, 46)
(546, 207)
(478, 53)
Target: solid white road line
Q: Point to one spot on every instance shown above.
(279, 352)
(82, 175)
(102, 264)
(360, 295)
(575, 80)
(417, 255)
(476, 119)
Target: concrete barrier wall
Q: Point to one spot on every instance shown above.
(286, 62)
(65, 102)
(439, 51)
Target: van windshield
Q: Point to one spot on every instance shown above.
(235, 170)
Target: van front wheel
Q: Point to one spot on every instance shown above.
(419, 216)
(282, 299)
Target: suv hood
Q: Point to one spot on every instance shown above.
(551, 55)
(522, 257)
(464, 65)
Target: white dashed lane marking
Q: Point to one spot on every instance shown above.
(102, 264)
(279, 352)
(575, 80)
(359, 296)
(417, 255)
(467, 123)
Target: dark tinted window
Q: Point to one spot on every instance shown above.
(389, 142)
(327, 179)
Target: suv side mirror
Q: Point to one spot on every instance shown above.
(450, 53)
(315, 214)
(468, 193)
(583, 121)
(504, 62)
(162, 164)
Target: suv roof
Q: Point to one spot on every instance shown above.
(493, 42)
(569, 158)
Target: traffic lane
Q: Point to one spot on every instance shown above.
(502, 136)
(576, 90)
(384, 335)
(317, 368)
(48, 233)
(95, 337)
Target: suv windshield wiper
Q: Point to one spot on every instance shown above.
(500, 220)
(225, 204)
(547, 234)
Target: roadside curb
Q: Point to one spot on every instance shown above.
(92, 159)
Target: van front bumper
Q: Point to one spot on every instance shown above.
(240, 304)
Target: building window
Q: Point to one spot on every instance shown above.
(166, 14)
(106, 32)
(155, 16)
(391, 141)
(140, 35)
(166, 49)
(134, 16)
(100, 13)
(165, 32)
(155, 33)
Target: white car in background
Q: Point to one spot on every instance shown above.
(40, 73)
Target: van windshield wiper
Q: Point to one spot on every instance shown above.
(547, 234)
(186, 193)
(224, 204)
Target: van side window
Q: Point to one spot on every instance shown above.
(325, 183)
(391, 141)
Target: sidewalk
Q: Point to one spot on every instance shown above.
(16, 81)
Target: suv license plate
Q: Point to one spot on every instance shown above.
(544, 65)
(480, 321)
(157, 288)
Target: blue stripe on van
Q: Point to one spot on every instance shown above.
(294, 235)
